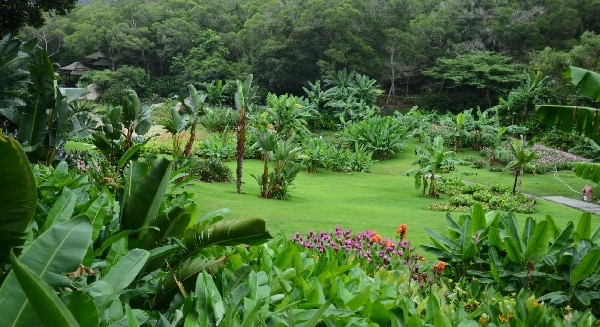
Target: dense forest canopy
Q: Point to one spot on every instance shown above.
(408, 46)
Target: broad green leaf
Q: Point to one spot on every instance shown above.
(62, 209)
(131, 320)
(587, 82)
(509, 221)
(33, 125)
(495, 264)
(83, 309)
(441, 320)
(528, 229)
(513, 251)
(127, 269)
(538, 243)
(208, 293)
(142, 202)
(586, 266)
(258, 282)
(563, 240)
(584, 228)
(588, 170)
(48, 307)
(478, 217)
(19, 196)
(96, 211)
(467, 248)
(185, 273)
(132, 151)
(227, 232)
(317, 316)
(59, 250)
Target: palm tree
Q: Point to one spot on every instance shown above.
(583, 119)
(522, 158)
(432, 160)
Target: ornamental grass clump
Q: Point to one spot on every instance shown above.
(368, 249)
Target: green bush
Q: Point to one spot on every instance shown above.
(381, 136)
(218, 119)
(218, 146)
(112, 85)
(212, 170)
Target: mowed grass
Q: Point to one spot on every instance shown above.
(380, 200)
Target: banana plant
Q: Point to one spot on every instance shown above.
(574, 118)
(522, 158)
(119, 123)
(432, 160)
(194, 110)
(34, 103)
(18, 203)
(244, 98)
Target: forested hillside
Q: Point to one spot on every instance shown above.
(476, 50)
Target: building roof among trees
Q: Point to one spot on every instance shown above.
(74, 69)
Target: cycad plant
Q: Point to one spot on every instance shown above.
(432, 160)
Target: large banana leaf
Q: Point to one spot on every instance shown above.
(60, 249)
(142, 199)
(182, 279)
(34, 124)
(251, 231)
(48, 307)
(582, 119)
(19, 196)
(13, 83)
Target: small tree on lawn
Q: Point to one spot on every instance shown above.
(432, 160)
(522, 158)
(244, 97)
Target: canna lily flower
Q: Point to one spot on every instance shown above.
(439, 267)
(375, 238)
(401, 231)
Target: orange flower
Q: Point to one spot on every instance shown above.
(401, 231)
(439, 267)
(388, 244)
(375, 238)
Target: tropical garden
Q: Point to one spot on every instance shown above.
(214, 184)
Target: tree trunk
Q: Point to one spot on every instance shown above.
(265, 176)
(517, 171)
(188, 146)
(241, 139)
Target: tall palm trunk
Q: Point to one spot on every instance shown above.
(241, 139)
(517, 174)
(265, 176)
(187, 152)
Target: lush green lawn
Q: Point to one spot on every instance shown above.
(380, 200)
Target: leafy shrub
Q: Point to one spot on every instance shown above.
(494, 197)
(218, 119)
(212, 170)
(218, 146)
(380, 136)
(112, 85)
(558, 139)
(320, 153)
(542, 259)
